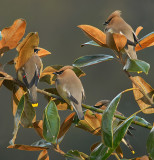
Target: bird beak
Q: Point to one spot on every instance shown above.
(105, 23)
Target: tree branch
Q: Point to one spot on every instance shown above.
(94, 109)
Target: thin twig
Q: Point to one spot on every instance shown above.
(94, 109)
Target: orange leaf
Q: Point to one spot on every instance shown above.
(38, 126)
(140, 98)
(138, 30)
(27, 147)
(120, 42)
(94, 146)
(142, 158)
(42, 52)
(43, 155)
(148, 41)
(95, 34)
(12, 35)
(26, 48)
(18, 92)
(91, 122)
(66, 125)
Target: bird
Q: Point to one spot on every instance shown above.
(116, 24)
(102, 104)
(29, 74)
(70, 88)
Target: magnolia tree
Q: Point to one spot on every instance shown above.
(100, 120)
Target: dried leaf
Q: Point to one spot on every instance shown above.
(119, 151)
(42, 52)
(94, 146)
(138, 30)
(95, 34)
(26, 48)
(27, 147)
(142, 158)
(91, 122)
(12, 35)
(140, 98)
(146, 41)
(65, 126)
(38, 126)
(43, 155)
(18, 92)
(120, 41)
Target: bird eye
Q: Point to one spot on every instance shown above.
(107, 22)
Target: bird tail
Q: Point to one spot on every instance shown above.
(78, 109)
(33, 95)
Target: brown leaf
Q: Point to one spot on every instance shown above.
(26, 48)
(120, 41)
(43, 155)
(140, 98)
(66, 125)
(145, 42)
(42, 52)
(94, 146)
(119, 151)
(95, 34)
(91, 122)
(18, 92)
(138, 30)
(27, 147)
(142, 158)
(38, 126)
(12, 35)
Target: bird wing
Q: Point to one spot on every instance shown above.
(71, 98)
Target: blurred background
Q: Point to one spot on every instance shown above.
(56, 22)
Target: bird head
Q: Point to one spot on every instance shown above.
(116, 13)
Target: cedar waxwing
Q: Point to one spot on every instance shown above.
(102, 105)
(29, 74)
(115, 24)
(70, 88)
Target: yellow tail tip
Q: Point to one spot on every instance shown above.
(139, 72)
(35, 104)
(133, 152)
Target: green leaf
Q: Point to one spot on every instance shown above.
(150, 144)
(0, 35)
(97, 153)
(42, 143)
(141, 120)
(103, 152)
(28, 115)
(107, 121)
(137, 66)
(92, 43)
(17, 119)
(91, 60)
(121, 131)
(75, 155)
(51, 123)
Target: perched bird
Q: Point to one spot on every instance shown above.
(103, 105)
(115, 24)
(70, 88)
(29, 74)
